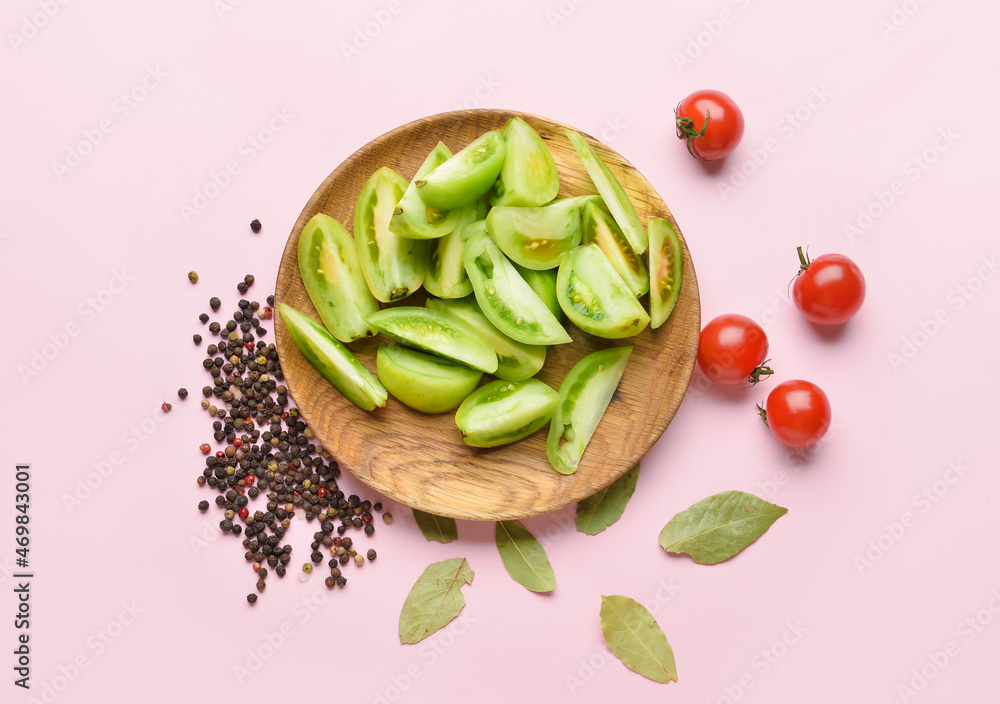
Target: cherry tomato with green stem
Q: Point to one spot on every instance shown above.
(711, 122)
(797, 413)
(731, 350)
(828, 290)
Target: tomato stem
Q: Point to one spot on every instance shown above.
(763, 414)
(687, 131)
(803, 259)
(761, 372)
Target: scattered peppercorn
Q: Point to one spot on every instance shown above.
(371, 555)
(166, 407)
(359, 560)
(307, 567)
(369, 529)
(330, 582)
(252, 598)
(203, 318)
(255, 225)
(182, 393)
(248, 280)
(197, 339)
(202, 505)
(193, 277)
(387, 518)
(214, 303)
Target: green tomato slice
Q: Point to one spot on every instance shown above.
(433, 332)
(584, 396)
(612, 192)
(393, 266)
(333, 360)
(543, 283)
(328, 264)
(413, 217)
(505, 411)
(666, 269)
(599, 227)
(529, 176)
(538, 238)
(515, 360)
(505, 297)
(424, 382)
(595, 298)
(446, 277)
(465, 176)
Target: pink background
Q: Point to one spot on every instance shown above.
(844, 103)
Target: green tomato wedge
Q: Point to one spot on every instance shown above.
(515, 360)
(433, 332)
(595, 298)
(504, 411)
(465, 176)
(505, 297)
(584, 396)
(328, 264)
(333, 360)
(446, 277)
(599, 227)
(538, 238)
(666, 269)
(612, 192)
(393, 266)
(543, 283)
(528, 176)
(424, 382)
(413, 217)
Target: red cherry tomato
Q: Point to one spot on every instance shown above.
(828, 290)
(731, 350)
(711, 122)
(798, 413)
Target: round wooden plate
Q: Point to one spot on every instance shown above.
(420, 460)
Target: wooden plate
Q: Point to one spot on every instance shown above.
(420, 460)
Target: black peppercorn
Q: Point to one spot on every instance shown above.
(203, 506)
(203, 318)
(255, 225)
(261, 585)
(197, 339)
(369, 529)
(252, 598)
(214, 303)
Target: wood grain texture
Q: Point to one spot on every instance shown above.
(420, 460)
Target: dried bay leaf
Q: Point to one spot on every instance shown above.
(636, 639)
(434, 600)
(719, 527)
(524, 557)
(438, 528)
(604, 508)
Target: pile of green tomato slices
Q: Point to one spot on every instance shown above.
(503, 261)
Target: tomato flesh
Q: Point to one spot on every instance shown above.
(798, 413)
(503, 412)
(731, 347)
(829, 290)
(424, 382)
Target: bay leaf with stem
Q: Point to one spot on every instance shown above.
(524, 557)
(435, 599)
(636, 639)
(604, 508)
(719, 527)
(437, 528)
